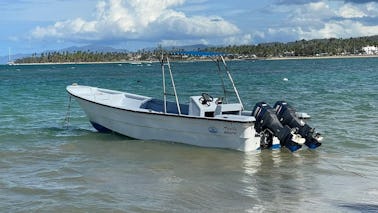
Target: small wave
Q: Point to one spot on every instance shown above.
(361, 207)
(172, 180)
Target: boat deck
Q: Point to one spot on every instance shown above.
(140, 103)
(157, 105)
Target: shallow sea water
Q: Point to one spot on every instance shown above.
(47, 167)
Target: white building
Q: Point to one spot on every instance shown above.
(370, 50)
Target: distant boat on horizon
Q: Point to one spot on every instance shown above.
(10, 62)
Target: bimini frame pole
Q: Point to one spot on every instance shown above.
(173, 84)
(232, 81)
(163, 76)
(221, 77)
(174, 87)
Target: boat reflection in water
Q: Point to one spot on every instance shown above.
(277, 177)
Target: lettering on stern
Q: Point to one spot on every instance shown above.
(230, 130)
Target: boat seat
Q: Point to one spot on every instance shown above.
(234, 109)
(158, 106)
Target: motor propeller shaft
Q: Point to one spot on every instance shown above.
(287, 116)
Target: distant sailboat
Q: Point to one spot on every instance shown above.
(10, 62)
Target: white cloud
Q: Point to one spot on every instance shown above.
(61, 29)
(338, 29)
(350, 11)
(326, 19)
(331, 29)
(310, 13)
(138, 20)
(372, 9)
(239, 40)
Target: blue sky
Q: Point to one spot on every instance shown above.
(29, 26)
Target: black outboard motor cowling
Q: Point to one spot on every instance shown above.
(287, 116)
(266, 118)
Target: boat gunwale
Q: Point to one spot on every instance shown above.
(161, 114)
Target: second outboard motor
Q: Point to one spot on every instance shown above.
(287, 116)
(266, 118)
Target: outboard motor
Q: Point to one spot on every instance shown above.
(266, 118)
(286, 115)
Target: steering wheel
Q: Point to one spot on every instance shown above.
(206, 99)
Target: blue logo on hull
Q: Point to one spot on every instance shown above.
(212, 130)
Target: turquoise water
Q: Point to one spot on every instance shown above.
(46, 167)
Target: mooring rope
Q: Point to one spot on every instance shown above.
(66, 121)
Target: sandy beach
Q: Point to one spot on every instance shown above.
(320, 57)
(189, 60)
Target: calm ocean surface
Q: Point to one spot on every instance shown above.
(45, 167)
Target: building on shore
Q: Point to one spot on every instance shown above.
(370, 50)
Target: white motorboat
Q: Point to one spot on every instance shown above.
(205, 121)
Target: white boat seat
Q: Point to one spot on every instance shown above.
(234, 109)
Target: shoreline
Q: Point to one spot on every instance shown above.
(258, 58)
(319, 57)
(94, 62)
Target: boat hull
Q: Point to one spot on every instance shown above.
(155, 126)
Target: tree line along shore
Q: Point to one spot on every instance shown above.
(317, 48)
